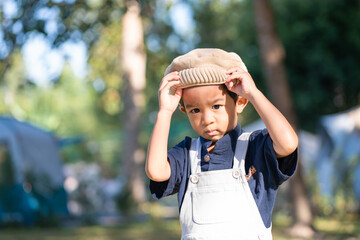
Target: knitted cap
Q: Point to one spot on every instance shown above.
(203, 66)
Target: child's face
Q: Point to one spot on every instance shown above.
(211, 110)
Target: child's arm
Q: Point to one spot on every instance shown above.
(284, 138)
(157, 165)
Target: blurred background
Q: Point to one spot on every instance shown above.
(78, 87)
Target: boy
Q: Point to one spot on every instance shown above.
(217, 198)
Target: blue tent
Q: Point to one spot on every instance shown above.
(31, 181)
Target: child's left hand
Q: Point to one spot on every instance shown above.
(240, 82)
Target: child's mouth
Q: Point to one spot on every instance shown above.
(211, 132)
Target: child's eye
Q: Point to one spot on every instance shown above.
(195, 110)
(216, 107)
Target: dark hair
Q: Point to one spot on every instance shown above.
(233, 95)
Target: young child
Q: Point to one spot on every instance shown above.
(226, 179)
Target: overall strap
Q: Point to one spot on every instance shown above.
(240, 153)
(241, 149)
(194, 153)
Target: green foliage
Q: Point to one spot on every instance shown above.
(106, 68)
(6, 168)
(126, 203)
(74, 20)
(69, 108)
(322, 42)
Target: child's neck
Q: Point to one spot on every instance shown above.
(210, 149)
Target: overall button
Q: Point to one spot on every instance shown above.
(206, 158)
(194, 179)
(236, 173)
(262, 236)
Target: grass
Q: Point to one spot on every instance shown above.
(344, 228)
(147, 230)
(331, 229)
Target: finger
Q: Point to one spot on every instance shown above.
(173, 76)
(234, 70)
(168, 85)
(236, 76)
(175, 89)
(231, 86)
(179, 92)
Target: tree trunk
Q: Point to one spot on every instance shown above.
(272, 55)
(133, 66)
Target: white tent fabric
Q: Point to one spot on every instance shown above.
(340, 150)
(33, 153)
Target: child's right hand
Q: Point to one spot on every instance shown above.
(167, 101)
(245, 86)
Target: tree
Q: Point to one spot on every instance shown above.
(133, 65)
(273, 54)
(322, 48)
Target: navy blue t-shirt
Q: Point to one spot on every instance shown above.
(270, 171)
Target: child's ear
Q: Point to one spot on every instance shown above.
(241, 104)
(182, 109)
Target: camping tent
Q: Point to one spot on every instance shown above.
(339, 156)
(36, 183)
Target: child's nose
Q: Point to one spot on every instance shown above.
(208, 117)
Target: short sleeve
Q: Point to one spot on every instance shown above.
(177, 157)
(270, 173)
(262, 152)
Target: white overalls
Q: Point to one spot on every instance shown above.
(219, 204)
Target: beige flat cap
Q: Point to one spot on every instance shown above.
(203, 66)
